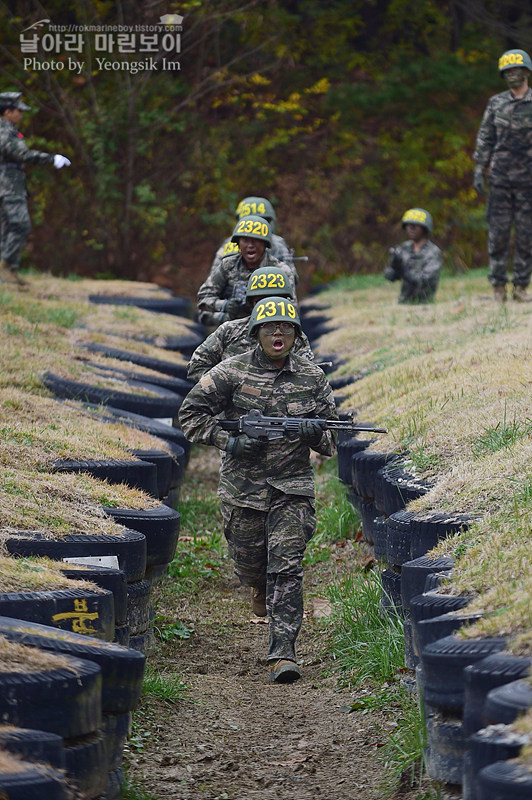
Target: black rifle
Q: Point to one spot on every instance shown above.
(257, 426)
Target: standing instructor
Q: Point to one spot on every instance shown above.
(14, 214)
(504, 146)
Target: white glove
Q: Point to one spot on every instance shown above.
(61, 161)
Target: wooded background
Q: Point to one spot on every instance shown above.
(344, 114)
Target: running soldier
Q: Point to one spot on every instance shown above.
(231, 337)
(266, 489)
(223, 295)
(416, 262)
(504, 146)
(259, 206)
(14, 153)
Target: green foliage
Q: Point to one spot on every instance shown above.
(166, 631)
(502, 435)
(403, 751)
(164, 686)
(367, 643)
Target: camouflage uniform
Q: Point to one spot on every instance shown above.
(14, 213)
(419, 271)
(267, 504)
(230, 339)
(504, 144)
(279, 250)
(229, 279)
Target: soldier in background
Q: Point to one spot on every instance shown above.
(261, 207)
(223, 295)
(14, 153)
(417, 262)
(266, 489)
(231, 337)
(504, 146)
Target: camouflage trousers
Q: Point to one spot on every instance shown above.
(509, 206)
(15, 220)
(267, 549)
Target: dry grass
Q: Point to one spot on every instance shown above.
(450, 382)
(47, 287)
(18, 658)
(37, 575)
(37, 431)
(62, 503)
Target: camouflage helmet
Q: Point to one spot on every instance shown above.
(253, 227)
(514, 58)
(418, 216)
(273, 309)
(12, 100)
(259, 206)
(269, 281)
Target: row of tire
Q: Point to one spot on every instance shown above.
(470, 690)
(69, 723)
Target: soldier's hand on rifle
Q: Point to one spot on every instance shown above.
(61, 161)
(244, 447)
(478, 180)
(310, 432)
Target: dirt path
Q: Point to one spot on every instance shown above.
(239, 736)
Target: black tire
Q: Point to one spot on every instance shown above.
(34, 782)
(391, 592)
(138, 607)
(156, 364)
(443, 663)
(142, 423)
(178, 306)
(505, 780)
(364, 468)
(379, 538)
(184, 344)
(157, 573)
(121, 669)
(346, 449)
(144, 642)
(480, 678)
(430, 630)
(395, 487)
(32, 745)
(430, 527)
(86, 762)
(115, 783)
(116, 728)
(397, 540)
(160, 526)
(505, 703)
(429, 605)
(414, 575)
(368, 512)
(77, 610)
(122, 635)
(167, 407)
(165, 382)
(491, 744)
(64, 700)
(445, 751)
(114, 580)
(137, 474)
(129, 547)
(164, 465)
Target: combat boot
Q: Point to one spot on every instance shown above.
(520, 295)
(258, 601)
(10, 276)
(284, 671)
(499, 294)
